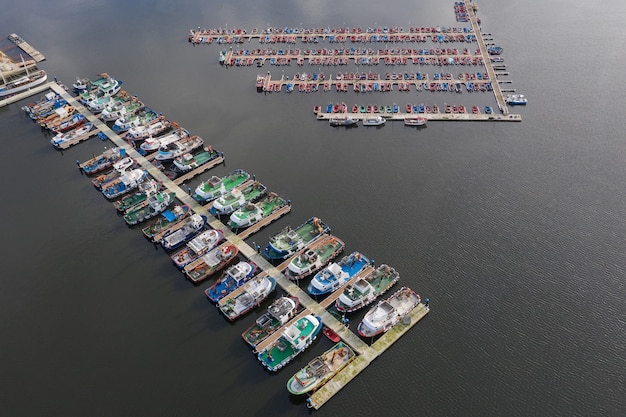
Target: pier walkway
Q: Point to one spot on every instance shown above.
(488, 64)
(27, 93)
(25, 46)
(366, 353)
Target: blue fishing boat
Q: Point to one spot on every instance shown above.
(102, 162)
(336, 274)
(125, 183)
(234, 277)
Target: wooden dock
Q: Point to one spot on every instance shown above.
(488, 64)
(78, 139)
(25, 46)
(332, 387)
(338, 57)
(375, 83)
(451, 117)
(339, 35)
(366, 353)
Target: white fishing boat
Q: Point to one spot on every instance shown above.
(384, 315)
(66, 137)
(176, 149)
(374, 121)
(154, 143)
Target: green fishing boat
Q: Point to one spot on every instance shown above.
(131, 202)
(229, 202)
(216, 186)
(294, 340)
(289, 241)
(319, 254)
(253, 213)
(155, 204)
(278, 314)
(188, 161)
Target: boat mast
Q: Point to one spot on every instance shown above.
(24, 64)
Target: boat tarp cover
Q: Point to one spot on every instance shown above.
(169, 215)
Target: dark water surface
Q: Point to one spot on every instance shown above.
(515, 232)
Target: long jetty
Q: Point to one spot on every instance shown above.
(488, 64)
(366, 353)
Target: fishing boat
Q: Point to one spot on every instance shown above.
(152, 144)
(14, 86)
(80, 85)
(152, 128)
(69, 123)
(516, 100)
(246, 297)
(64, 138)
(384, 315)
(103, 161)
(119, 167)
(121, 108)
(133, 120)
(44, 106)
(415, 121)
(278, 313)
(319, 254)
(124, 184)
(56, 116)
(321, 369)
(365, 290)
(343, 121)
(192, 226)
(98, 103)
(145, 189)
(188, 161)
(155, 204)
(251, 213)
(231, 201)
(175, 149)
(103, 85)
(336, 274)
(234, 277)
(210, 263)
(294, 340)
(197, 247)
(216, 186)
(374, 121)
(289, 241)
(167, 219)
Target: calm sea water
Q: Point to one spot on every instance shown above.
(515, 232)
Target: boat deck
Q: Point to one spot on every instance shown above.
(204, 167)
(25, 46)
(78, 139)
